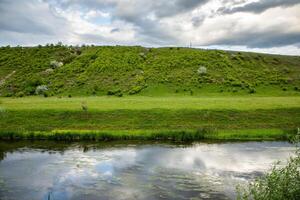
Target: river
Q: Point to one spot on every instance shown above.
(62, 171)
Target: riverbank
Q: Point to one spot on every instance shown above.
(148, 118)
(152, 135)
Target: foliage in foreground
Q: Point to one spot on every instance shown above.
(279, 184)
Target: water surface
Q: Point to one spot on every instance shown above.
(48, 170)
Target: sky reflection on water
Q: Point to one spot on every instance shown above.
(198, 171)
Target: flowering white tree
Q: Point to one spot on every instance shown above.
(56, 64)
(202, 70)
(41, 89)
(49, 71)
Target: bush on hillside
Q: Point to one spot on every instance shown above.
(48, 71)
(20, 94)
(67, 59)
(41, 89)
(236, 83)
(115, 92)
(56, 64)
(202, 70)
(136, 89)
(252, 90)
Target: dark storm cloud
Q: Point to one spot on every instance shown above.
(89, 4)
(197, 21)
(161, 8)
(171, 8)
(266, 39)
(259, 6)
(114, 30)
(153, 32)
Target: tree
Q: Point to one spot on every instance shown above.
(202, 70)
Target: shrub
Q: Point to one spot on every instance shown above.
(286, 70)
(9, 94)
(116, 92)
(34, 81)
(94, 57)
(49, 71)
(29, 90)
(20, 94)
(143, 55)
(46, 94)
(202, 70)
(41, 89)
(279, 183)
(252, 90)
(135, 89)
(56, 64)
(236, 83)
(68, 59)
(119, 94)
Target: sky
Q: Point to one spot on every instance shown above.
(269, 26)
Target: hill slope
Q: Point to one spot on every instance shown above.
(120, 70)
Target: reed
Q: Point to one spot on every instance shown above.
(161, 135)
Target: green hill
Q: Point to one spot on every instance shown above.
(120, 70)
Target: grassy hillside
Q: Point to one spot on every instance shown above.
(70, 71)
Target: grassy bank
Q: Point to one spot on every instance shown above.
(105, 103)
(149, 118)
(156, 119)
(145, 118)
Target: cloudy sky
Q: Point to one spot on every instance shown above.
(271, 26)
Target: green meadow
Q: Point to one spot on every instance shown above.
(107, 103)
(174, 118)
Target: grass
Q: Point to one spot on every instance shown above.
(147, 103)
(150, 118)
